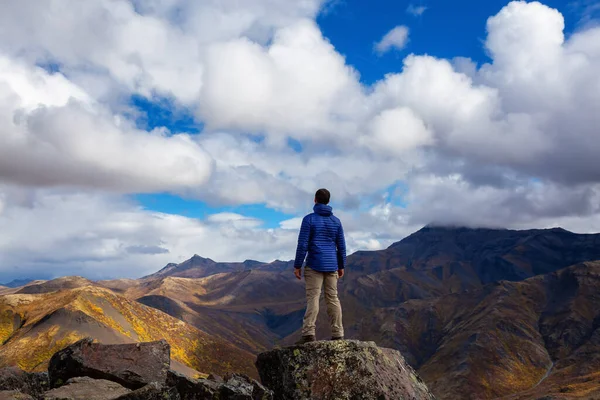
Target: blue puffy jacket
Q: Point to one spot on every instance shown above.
(322, 236)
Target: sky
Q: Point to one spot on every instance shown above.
(137, 133)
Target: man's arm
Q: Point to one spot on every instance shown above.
(302, 243)
(341, 250)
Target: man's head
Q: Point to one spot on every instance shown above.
(322, 196)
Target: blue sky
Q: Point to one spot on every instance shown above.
(256, 113)
(446, 29)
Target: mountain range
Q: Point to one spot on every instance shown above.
(16, 283)
(480, 313)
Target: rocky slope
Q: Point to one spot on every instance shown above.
(35, 326)
(252, 309)
(433, 295)
(87, 370)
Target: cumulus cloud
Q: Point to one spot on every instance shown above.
(52, 134)
(513, 142)
(300, 86)
(250, 172)
(235, 220)
(397, 39)
(139, 46)
(398, 131)
(105, 236)
(293, 223)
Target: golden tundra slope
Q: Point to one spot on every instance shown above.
(34, 326)
(252, 310)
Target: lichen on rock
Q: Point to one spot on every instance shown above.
(344, 370)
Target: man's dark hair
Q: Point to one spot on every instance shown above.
(322, 196)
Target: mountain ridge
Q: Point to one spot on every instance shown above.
(34, 326)
(16, 283)
(432, 295)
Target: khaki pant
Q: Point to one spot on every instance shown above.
(314, 283)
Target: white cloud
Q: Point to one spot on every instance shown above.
(513, 142)
(397, 131)
(299, 86)
(139, 46)
(249, 172)
(104, 236)
(235, 220)
(397, 39)
(523, 205)
(293, 224)
(52, 133)
(416, 10)
(98, 235)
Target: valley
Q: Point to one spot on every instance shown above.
(479, 313)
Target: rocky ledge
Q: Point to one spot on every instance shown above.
(339, 370)
(344, 370)
(93, 371)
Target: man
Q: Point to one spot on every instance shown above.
(322, 236)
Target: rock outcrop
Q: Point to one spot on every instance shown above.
(93, 371)
(340, 370)
(133, 366)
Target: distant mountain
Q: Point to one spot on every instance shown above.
(17, 283)
(482, 313)
(67, 282)
(432, 262)
(492, 255)
(199, 267)
(437, 260)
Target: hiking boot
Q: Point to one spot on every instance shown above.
(306, 339)
(337, 338)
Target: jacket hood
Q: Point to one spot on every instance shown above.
(323, 209)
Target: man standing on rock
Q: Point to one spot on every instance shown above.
(322, 236)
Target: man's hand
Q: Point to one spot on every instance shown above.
(341, 273)
(298, 273)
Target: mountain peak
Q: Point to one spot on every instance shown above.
(197, 258)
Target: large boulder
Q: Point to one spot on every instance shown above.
(350, 370)
(31, 383)
(84, 388)
(131, 365)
